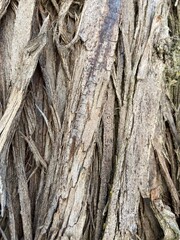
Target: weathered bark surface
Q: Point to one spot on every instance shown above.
(89, 119)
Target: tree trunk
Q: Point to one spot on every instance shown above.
(89, 119)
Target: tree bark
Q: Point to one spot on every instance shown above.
(89, 119)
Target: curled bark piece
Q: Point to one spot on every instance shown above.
(167, 220)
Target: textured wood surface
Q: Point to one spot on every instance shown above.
(89, 119)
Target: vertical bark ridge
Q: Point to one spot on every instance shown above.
(143, 81)
(107, 157)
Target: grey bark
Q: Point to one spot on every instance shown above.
(89, 119)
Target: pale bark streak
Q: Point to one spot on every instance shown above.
(37, 156)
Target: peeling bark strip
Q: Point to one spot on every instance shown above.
(99, 56)
(23, 63)
(86, 105)
(19, 154)
(138, 117)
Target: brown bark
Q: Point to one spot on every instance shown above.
(89, 119)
